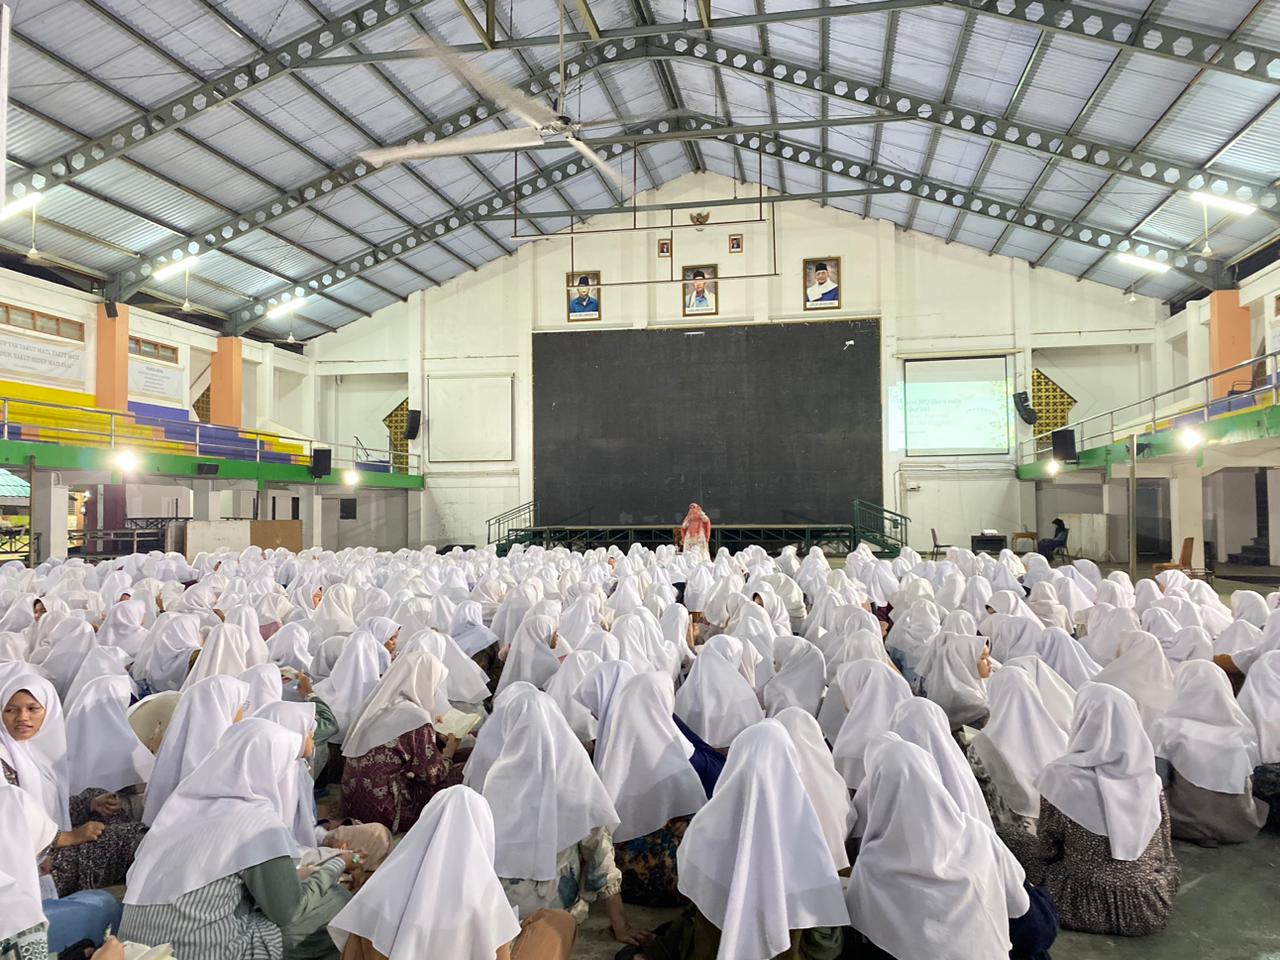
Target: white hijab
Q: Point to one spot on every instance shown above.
(177, 637)
(543, 791)
(822, 782)
(290, 646)
(1055, 693)
(1142, 671)
(102, 749)
(205, 712)
(123, 626)
(298, 795)
(800, 680)
(530, 657)
(354, 675)
(921, 857)
(760, 824)
(437, 895)
(563, 690)
(40, 761)
(466, 682)
(238, 796)
(1067, 657)
(923, 723)
(1260, 701)
(715, 700)
(951, 680)
(225, 653)
(1019, 740)
(598, 688)
(25, 831)
(402, 701)
(266, 685)
(644, 760)
(1107, 780)
(871, 691)
(1205, 735)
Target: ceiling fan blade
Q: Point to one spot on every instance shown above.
(500, 141)
(594, 157)
(531, 111)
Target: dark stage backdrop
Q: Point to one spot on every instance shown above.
(776, 423)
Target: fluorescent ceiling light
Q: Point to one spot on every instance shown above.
(1053, 466)
(175, 268)
(20, 205)
(351, 477)
(1143, 263)
(1224, 203)
(289, 306)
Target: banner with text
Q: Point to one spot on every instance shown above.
(156, 381)
(37, 360)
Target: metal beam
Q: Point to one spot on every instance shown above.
(224, 88)
(433, 232)
(481, 30)
(704, 13)
(312, 191)
(666, 81)
(588, 19)
(644, 29)
(886, 66)
(768, 200)
(1138, 34)
(1108, 157)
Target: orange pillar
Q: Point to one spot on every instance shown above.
(226, 382)
(1230, 340)
(112, 375)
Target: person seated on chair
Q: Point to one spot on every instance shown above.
(1048, 546)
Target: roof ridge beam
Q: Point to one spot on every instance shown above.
(325, 184)
(224, 88)
(1107, 157)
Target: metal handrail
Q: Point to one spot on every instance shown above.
(1270, 363)
(880, 522)
(503, 523)
(118, 422)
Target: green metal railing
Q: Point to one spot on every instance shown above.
(516, 518)
(879, 526)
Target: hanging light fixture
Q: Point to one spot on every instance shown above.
(33, 253)
(1206, 250)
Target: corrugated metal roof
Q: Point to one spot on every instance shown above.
(80, 66)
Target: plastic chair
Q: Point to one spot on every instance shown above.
(937, 547)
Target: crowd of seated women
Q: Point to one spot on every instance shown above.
(372, 756)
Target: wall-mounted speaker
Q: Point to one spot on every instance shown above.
(1064, 446)
(113, 311)
(207, 469)
(413, 425)
(1022, 403)
(321, 463)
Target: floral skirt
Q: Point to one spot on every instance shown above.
(648, 866)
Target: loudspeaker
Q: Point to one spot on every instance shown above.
(113, 311)
(1022, 403)
(207, 469)
(321, 463)
(1064, 446)
(414, 425)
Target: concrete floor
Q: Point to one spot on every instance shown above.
(1228, 909)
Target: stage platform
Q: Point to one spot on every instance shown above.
(835, 538)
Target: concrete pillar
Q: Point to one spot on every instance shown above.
(1186, 511)
(49, 513)
(262, 505)
(1230, 339)
(206, 502)
(111, 386)
(1115, 506)
(1273, 515)
(242, 502)
(226, 384)
(310, 505)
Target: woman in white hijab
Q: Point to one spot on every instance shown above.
(715, 700)
(266, 685)
(757, 865)
(395, 762)
(290, 647)
(1104, 825)
(909, 637)
(644, 763)
(96, 840)
(1210, 748)
(922, 858)
(1251, 606)
(176, 639)
(123, 626)
(800, 677)
(564, 687)
(354, 675)
(205, 712)
(240, 898)
(245, 617)
(955, 674)
(870, 691)
(102, 749)
(923, 723)
(1055, 693)
(1102, 642)
(69, 643)
(553, 818)
(335, 614)
(1010, 753)
(438, 896)
(1067, 657)
(534, 654)
(225, 653)
(1044, 603)
(1141, 670)
(822, 782)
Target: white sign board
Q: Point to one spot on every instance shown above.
(41, 360)
(469, 419)
(211, 536)
(156, 381)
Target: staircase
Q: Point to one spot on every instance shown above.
(1255, 554)
(885, 530)
(515, 526)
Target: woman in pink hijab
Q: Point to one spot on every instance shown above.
(696, 532)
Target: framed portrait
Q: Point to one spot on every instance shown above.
(698, 290)
(735, 243)
(664, 248)
(583, 293)
(822, 283)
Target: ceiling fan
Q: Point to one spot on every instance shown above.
(543, 125)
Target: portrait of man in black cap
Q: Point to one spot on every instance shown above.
(822, 284)
(584, 296)
(699, 288)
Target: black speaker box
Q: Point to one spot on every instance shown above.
(1022, 403)
(1064, 446)
(207, 469)
(321, 462)
(414, 425)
